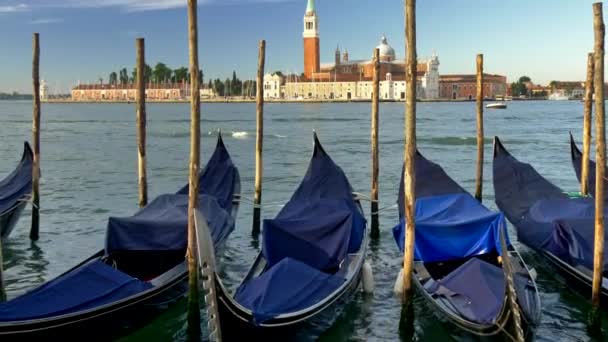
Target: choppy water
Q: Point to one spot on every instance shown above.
(89, 172)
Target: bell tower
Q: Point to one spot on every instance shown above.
(311, 41)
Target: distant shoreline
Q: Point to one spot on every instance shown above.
(233, 100)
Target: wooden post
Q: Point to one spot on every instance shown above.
(194, 316)
(587, 126)
(259, 140)
(375, 232)
(410, 149)
(480, 137)
(141, 123)
(2, 292)
(600, 153)
(36, 140)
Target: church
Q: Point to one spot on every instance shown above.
(347, 79)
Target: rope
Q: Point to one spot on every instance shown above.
(385, 208)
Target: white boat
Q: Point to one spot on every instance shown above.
(558, 97)
(497, 105)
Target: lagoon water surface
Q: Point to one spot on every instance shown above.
(89, 172)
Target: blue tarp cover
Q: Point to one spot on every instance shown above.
(546, 219)
(91, 285)
(18, 183)
(453, 226)
(476, 290)
(163, 223)
(288, 286)
(312, 234)
(564, 227)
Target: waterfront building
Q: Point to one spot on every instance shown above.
(464, 87)
(44, 91)
(567, 89)
(127, 92)
(347, 79)
(273, 86)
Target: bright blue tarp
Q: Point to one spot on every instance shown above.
(18, 183)
(288, 286)
(451, 227)
(91, 285)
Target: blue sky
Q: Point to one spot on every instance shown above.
(86, 39)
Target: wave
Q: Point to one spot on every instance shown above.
(240, 135)
(300, 119)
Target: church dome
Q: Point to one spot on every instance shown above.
(387, 53)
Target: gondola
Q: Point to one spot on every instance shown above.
(15, 190)
(141, 271)
(459, 261)
(577, 160)
(310, 264)
(558, 227)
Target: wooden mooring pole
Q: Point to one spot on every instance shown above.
(587, 126)
(141, 123)
(480, 135)
(194, 315)
(34, 231)
(259, 139)
(600, 154)
(375, 232)
(410, 149)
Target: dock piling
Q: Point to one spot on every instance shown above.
(141, 123)
(480, 135)
(410, 149)
(587, 125)
(259, 140)
(600, 154)
(34, 231)
(375, 231)
(194, 315)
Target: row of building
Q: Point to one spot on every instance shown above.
(347, 79)
(128, 92)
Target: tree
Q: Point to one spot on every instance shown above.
(210, 85)
(147, 74)
(123, 76)
(227, 87)
(113, 79)
(218, 87)
(524, 79)
(278, 73)
(161, 73)
(180, 74)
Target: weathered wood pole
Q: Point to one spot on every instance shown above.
(600, 153)
(259, 138)
(375, 232)
(194, 315)
(2, 292)
(480, 136)
(36, 140)
(410, 148)
(141, 123)
(587, 126)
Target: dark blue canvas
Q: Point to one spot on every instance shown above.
(476, 290)
(546, 219)
(319, 233)
(91, 285)
(321, 216)
(288, 286)
(163, 223)
(306, 242)
(451, 227)
(577, 161)
(18, 184)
